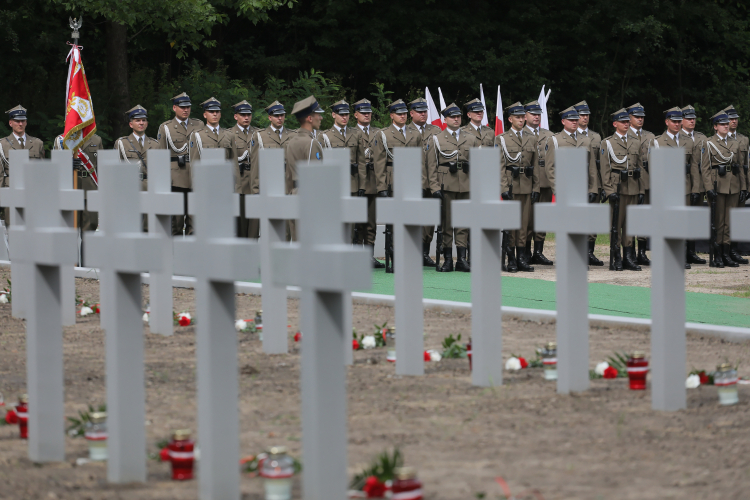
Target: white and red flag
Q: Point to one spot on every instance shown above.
(442, 125)
(499, 127)
(543, 103)
(484, 104)
(80, 123)
(433, 115)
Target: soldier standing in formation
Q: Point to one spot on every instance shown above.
(18, 139)
(596, 191)
(734, 119)
(533, 119)
(248, 171)
(212, 136)
(174, 135)
(694, 142)
(475, 113)
(366, 178)
(637, 115)
(519, 180)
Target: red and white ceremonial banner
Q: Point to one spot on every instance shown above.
(80, 123)
(433, 115)
(484, 104)
(499, 128)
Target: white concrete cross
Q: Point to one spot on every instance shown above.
(160, 203)
(326, 267)
(572, 219)
(668, 222)
(13, 198)
(273, 207)
(740, 224)
(486, 216)
(44, 245)
(216, 258)
(122, 251)
(408, 212)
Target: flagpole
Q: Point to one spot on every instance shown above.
(75, 25)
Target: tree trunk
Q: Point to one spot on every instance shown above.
(117, 77)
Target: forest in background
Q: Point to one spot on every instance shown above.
(612, 54)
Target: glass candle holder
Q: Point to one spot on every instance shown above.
(96, 436)
(637, 366)
(725, 380)
(181, 455)
(468, 353)
(22, 413)
(258, 319)
(390, 344)
(406, 486)
(277, 471)
(549, 361)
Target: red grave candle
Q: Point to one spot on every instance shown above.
(637, 371)
(468, 353)
(22, 412)
(406, 486)
(181, 455)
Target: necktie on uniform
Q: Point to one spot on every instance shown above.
(573, 135)
(454, 137)
(184, 124)
(519, 135)
(279, 131)
(343, 132)
(367, 131)
(140, 141)
(403, 133)
(21, 141)
(536, 132)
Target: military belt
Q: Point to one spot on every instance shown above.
(389, 164)
(83, 173)
(244, 167)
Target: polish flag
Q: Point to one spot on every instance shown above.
(499, 128)
(543, 103)
(442, 125)
(433, 115)
(481, 98)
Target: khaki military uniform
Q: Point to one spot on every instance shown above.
(718, 157)
(382, 152)
(697, 143)
(349, 138)
(302, 148)
(35, 148)
(427, 131)
(646, 139)
(208, 139)
(484, 134)
(519, 169)
(545, 187)
(87, 221)
(595, 185)
(268, 138)
(743, 141)
(249, 178)
(131, 151)
(665, 141)
(366, 180)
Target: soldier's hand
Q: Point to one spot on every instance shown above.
(438, 194)
(77, 164)
(695, 198)
(711, 194)
(534, 197)
(614, 197)
(360, 192)
(506, 196)
(744, 196)
(641, 199)
(383, 194)
(593, 197)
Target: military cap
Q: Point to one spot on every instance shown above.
(731, 111)
(303, 108)
(516, 109)
(636, 109)
(418, 104)
(620, 115)
(212, 104)
(275, 108)
(243, 108)
(319, 110)
(720, 117)
(688, 112)
(340, 108)
(397, 107)
(451, 110)
(182, 100)
(137, 112)
(582, 108)
(474, 106)
(533, 107)
(17, 113)
(674, 114)
(363, 106)
(569, 114)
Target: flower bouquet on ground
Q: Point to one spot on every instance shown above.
(616, 366)
(245, 326)
(85, 307)
(182, 319)
(77, 427)
(378, 338)
(376, 479)
(453, 348)
(5, 295)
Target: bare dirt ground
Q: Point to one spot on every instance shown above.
(601, 444)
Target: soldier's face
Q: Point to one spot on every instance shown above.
(453, 122)
(243, 119)
(533, 120)
(570, 125)
(673, 126)
(277, 120)
(722, 128)
(733, 122)
(399, 119)
(363, 119)
(212, 117)
(317, 119)
(636, 121)
(583, 121)
(18, 126)
(516, 121)
(418, 117)
(621, 127)
(475, 117)
(139, 125)
(688, 124)
(181, 112)
(340, 120)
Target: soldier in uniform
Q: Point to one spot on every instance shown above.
(734, 119)
(722, 178)
(248, 171)
(621, 175)
(448, 167)
(303, 146)
(533, 119)
(174, 135)
(366, 178)
(418, 112)
(475, 113)
(596, 191)
(213, 136)
(694, 142)
(519, 180)
(637, 115)
(276, 135)
(18, 139)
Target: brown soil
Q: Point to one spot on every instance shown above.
(604, 443)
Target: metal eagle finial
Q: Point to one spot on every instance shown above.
(75, 25)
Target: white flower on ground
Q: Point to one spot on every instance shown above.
(185, 315)
(145, 317)
(3, 298)
(240, 325)
(434, 355)
(513, 364)
(692, 381)
(85, 311)
(599, 370)
(368, 342)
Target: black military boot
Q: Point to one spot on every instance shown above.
(726, 254)
(593, 261)
(426, 260)
(376, 264)
(629, 259)
(538, 257)
(523, 263)
(642, 257)
(717, 260)
(735, 254)
(512, 266)
(447, 266)
(692, 257)
(616, 261)
(688, 266)
(461, 263)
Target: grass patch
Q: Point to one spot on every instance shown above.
(744, 294)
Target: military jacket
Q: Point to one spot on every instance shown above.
(365, 162)
(565, 140)
(485, 134)
(332, 138)
(428, 130)
(131, 151)
(267, 138)
(664, 141)
(176, 138)
(444, 154)
(206, 138)
(249, 182)
(302, 148)
(34, 146)
(382, 152)
(743, 146)
(645, 139)
(518, 162)
(717, 158)
(544, 134)
(618, 156)
(698, 142)
(596, 142)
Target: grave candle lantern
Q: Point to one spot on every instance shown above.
(277, 470)
(22, 413)
(549, 360)
(96, 435)
(258, 319)
(468, 353)
(637, 371)
(181, 454)
(725, 380)
(406, 486)
(390, 343)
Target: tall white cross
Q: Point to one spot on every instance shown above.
(44, 245)
(122, 251)
(216, 258)
(273, 207)
(408, 212)
(572, 219)
(486, 216)
(327, 268)
(740, 224)
(14, 199)
(160, 203)
(668, 222)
